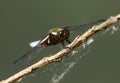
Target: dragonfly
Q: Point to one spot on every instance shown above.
(53, 37)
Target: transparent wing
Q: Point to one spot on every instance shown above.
(36, 48)
(28, 55)
(82, 28)
(76, 30)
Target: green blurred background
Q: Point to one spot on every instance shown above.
(23, 21)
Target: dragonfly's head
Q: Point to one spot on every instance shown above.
(57, 35)
(59, 31)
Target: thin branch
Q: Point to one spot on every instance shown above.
(47, 60)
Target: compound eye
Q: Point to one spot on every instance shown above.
(62, 34)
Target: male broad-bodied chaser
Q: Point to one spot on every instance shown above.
(54, 36)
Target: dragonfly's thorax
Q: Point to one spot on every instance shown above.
(57, 35)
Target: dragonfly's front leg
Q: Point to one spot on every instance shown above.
(68, 41)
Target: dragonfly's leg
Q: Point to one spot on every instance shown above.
(68, 41)
(63, 45)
